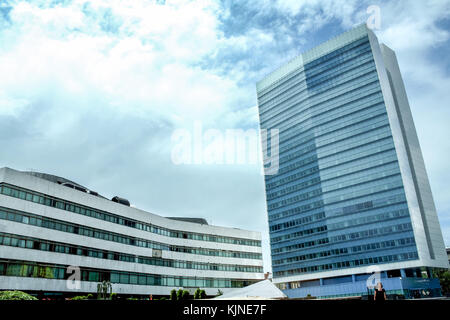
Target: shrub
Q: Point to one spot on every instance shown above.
(180, 294)
(197, 294)
(80, 298)
(15, 295)
(185, 295)
(163, 298)
(113, 296)
(173, 294)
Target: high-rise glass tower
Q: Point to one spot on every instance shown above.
(351, 200)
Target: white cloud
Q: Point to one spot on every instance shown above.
(146, 66)
(319, 12)
(411, 29)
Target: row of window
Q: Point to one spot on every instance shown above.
(340, 73)
(402, 227)
(349, 264)
(297, 211)
(332, 117)
(294, 199)
(317, 132)
(328, 174)
(38, 270)
(353, 193)
(341, 158)
(342, 210)
(344, 104)
(361, 155)
(311, 256)
(296, 187)
(348, 52)
(385, 157)
(297, 104)
(300, 93)
(298, 176)
(391, 183)
(351, 222)
(28, 218)
(343, 251)
(45, 245)
(379, 109)
(298, 121)
(375, 173)
(395, 214)
(384, 244)
(43, 199)
(317, 65)
(309, 81)
(301, 221)
(345, 237)
(300, 234)
(279, 180)
(358, 206)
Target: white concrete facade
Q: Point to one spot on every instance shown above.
(30, 183)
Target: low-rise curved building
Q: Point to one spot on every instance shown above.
(54, 231)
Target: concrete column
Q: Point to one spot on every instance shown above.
(403, 273)
(321, 282)
(353, 278)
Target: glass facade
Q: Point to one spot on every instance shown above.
(62, 204)
(52, 271)
(20, 241)
(44, 222)
(48, 228)
(338, 199)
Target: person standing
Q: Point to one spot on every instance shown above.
(380, 293)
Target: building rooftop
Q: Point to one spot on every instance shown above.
(73, 185)
(193, 220)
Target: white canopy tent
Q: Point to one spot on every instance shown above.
(263, 290)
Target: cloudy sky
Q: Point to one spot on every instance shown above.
(93, 91)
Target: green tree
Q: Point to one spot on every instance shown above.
(185, 295)
(444, 279)
(180, 294)
(173, 294)
(197, 294)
